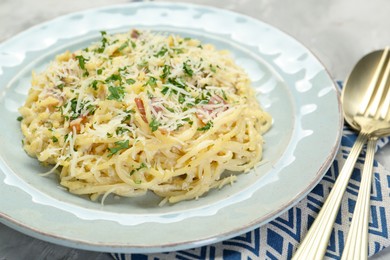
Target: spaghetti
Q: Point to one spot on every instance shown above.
(140, 112)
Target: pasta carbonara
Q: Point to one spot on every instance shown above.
(142, 111)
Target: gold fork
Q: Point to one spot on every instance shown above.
(378, 114)
(366, 100)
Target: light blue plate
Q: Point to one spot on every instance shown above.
(294, 88)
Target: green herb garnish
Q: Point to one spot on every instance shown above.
(143, 165)
(114, 77)
(152, 82)
(161, 52)
(60, 86)
(188, 120)
(143, 64)
(130, 81)
(181, 98)
(166, 72)
(121, 130)
(116, 93)
(224, 95)
(165, 90)
(177, 82)
(154, 124)
(206, 127)
(94, 84)
(213, 69)
(104, 42)
(74, 112)
(187, 69)
(128, 115)
(120, 145)
(123, 46)
(82, 61)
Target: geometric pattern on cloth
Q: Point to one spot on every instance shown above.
(280, 238)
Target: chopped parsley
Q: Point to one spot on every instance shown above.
(165, 90)
(161, 52)
(104, 42)
(130, 81)
(143, 165)
(181, 98)
(119, 145)
(82, 61)
(169, 109)
(123, 46)
(54, 139)
(166, 71)
(114, 77)
(203, 98)
(177, 82)
(84, 108)
(178, 50)
(116, 93)
(67, 136)
(213, 69)
(121, 130)
(94, 84)
(154, 124)
(143, 64)
(152, 82)
(206, 127)
(60, 86)
(188, 120)
(19, 118)
(128, 115)
(224, 95)
(187, 69)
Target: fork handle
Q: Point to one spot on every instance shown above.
(316, 241)
(356, 246)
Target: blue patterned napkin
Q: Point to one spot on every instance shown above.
(279, 238)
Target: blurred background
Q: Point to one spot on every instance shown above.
(339, 32)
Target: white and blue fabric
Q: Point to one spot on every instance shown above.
(280, 238)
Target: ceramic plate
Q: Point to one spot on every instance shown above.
(294, 88)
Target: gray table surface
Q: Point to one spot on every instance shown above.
(338, 32)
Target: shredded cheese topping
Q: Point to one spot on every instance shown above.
(142, 111)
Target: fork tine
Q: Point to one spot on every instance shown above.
(369, 97)
(385, 105)
(379, 106)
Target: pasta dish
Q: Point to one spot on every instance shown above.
(142, 111)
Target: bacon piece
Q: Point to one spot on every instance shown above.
(134, 34)
(214, 100)
(141, 108)
(155, 106)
